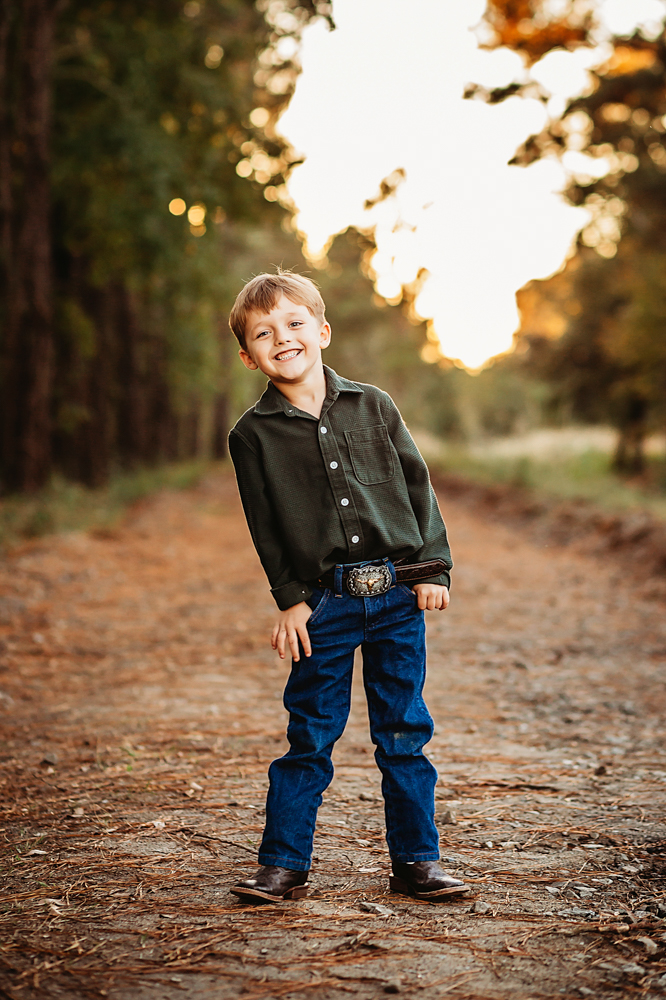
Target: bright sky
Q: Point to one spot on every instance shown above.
(385, 91)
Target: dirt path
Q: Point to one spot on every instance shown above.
(142, 705)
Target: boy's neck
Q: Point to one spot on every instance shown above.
(309, 395)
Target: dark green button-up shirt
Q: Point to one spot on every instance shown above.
(347, 487)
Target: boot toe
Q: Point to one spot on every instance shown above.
(273, 883)
(425, 880)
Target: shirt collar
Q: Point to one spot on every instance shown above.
(273, 401)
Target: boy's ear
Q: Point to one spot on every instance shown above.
(247, 360)
(325, 336)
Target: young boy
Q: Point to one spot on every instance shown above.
(343, 517)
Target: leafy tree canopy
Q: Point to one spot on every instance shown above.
(610, 362)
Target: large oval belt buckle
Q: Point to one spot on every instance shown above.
(368, 581)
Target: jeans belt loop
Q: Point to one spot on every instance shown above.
(339, 570)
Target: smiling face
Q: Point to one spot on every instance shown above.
(285, 343)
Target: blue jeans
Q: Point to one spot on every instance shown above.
(390, 630)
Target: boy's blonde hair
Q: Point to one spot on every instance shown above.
(262, 293)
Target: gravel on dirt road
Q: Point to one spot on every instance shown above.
(142, 704)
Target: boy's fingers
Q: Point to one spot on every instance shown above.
(305, 640)
(433, 600)
(281, 636)
(293, 645)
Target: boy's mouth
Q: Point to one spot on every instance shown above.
(288, 355)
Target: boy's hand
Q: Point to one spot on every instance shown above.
(431, 596)
(289, 628)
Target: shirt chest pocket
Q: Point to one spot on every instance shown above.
(371, 454)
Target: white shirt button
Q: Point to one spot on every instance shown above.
(355, 539)
(324, 430)
(334, 465)
(345, 502)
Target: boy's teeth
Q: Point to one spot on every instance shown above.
(287, 355)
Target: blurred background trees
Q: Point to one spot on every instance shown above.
(142, 182)
(136, 154)
(596, 333)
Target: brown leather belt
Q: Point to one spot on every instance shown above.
(404, 572)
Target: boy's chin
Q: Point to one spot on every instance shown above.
(295, 372)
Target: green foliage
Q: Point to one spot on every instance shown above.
(588, 476)
(502, 399)
(75, 326)
(145, 115)
(610, 364)
(637, 339)
(67, 506)
(162, 149)
(576, 366)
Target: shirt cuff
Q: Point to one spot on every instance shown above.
(443, 580)
(291, 593)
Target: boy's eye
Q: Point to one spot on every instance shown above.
(296, 322)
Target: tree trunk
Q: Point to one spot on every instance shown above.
(84, 384)
(220, 426)
(7, 17)
(27, 350)
(130, 420)
(629, 455)
(190, 429)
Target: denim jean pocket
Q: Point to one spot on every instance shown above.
(407, 590)
(317, 606)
